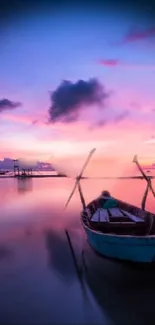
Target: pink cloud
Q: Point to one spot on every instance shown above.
(98, 136)
(23, 119)
(110, 62)
(69, 152)
(117, 63)
(17, 118)
(135, 35)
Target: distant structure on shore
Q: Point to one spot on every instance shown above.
(8, 164)
(23, 169)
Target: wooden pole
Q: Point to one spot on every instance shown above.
(148, 180)
(145, 197)
(81, 195)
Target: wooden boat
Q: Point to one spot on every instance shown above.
(119, 230)
(125, 232)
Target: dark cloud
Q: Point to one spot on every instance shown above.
(6, 104)
(68, 99)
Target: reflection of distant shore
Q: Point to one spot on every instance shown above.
(4, 252)
(24, 185)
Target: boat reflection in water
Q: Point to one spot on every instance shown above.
(125, 293)
(24, 185)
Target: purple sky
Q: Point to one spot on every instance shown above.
(41, 49)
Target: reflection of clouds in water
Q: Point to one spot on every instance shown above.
(28, 232)
(124, 294)
(5, 252)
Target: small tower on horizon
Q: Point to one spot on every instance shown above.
(15, 167)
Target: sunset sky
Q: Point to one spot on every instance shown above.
(107, 58)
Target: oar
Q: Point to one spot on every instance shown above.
(148, 180)
(80, 175)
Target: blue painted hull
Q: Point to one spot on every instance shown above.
(130, 248)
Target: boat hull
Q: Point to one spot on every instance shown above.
(123, 247)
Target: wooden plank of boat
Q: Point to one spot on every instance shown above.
(95, 217)
(104, 215)
(133, 217)
(101, 215)
(116, 212)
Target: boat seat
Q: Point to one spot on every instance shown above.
(116, 215)
(132, 217)
(95, 217)
(101, 215)
(116, 212)
(104, 215)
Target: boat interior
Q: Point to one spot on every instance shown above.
(124, 219)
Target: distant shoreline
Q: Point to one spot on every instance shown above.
(63, 176)
(30, 176)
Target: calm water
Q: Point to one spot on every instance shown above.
(38, 279)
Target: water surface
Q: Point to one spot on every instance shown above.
(38, 279)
